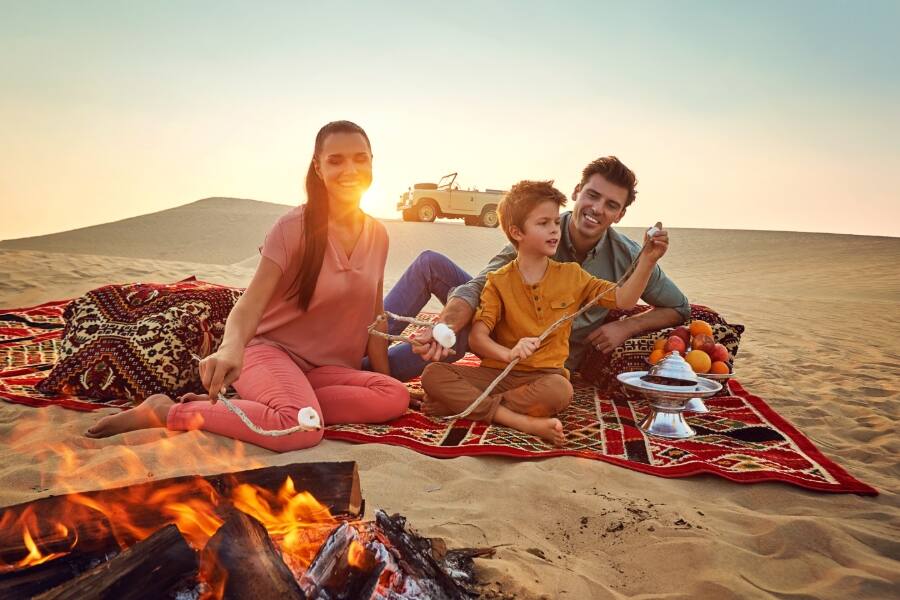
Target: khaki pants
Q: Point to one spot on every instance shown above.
(450, 389)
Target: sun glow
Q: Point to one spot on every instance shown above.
(378, 203)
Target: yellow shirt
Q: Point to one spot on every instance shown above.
(512, 309)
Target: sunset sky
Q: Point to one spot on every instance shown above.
(746, 115)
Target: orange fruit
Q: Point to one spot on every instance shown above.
(656, 356)
(698, 327)
(699, 361)
(719, 368)
(660, 343)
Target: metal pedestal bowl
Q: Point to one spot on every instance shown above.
(669, 387)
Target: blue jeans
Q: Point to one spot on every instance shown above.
(430, 273)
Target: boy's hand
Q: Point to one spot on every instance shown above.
(524, 348)
(657, 248)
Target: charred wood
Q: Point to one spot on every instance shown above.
(413, 554)
(345, 568)
(149, 569)
(30, 581)
(242, 553)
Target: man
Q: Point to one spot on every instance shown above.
(606, 190)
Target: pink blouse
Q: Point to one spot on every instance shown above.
(333, 330)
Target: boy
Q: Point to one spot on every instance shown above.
(519, 301)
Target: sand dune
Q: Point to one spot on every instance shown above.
(822, 315)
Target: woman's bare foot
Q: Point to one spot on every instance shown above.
(152, 412)
(548, 429)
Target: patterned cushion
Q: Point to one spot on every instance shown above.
(134, 340)
(601, 369)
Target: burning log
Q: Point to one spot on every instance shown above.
(413, 554)
(241, 560)
(30, 581)
(344, 568)
(149, 569)
(115, 518)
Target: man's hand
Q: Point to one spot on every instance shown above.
(657, 248)
(609, 336)
(427, 348)
(524, 348)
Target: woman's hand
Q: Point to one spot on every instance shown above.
(524, 348)
(219, 370)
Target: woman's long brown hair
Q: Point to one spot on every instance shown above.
(315, 216)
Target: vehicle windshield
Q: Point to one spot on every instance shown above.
(447, 181)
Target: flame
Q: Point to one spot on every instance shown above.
(356, 555)
(294, 520)
(28, 523)
(213, 576)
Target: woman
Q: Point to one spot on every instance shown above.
(297, 337)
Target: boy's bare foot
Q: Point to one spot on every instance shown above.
(548, 429)
(152, 412)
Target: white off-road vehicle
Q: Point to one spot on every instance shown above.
(428, 201)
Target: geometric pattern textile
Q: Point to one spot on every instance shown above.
(125, 342)
(741, 439)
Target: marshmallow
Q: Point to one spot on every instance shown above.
(652, 231)
(309, 418)
(443, 335)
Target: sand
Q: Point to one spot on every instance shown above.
(823, 320)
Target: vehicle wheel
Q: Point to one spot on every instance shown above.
(409, 215)
(425, 186)
(427, 211)
(472, 221)
(489, 216)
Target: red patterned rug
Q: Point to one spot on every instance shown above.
(741, 438)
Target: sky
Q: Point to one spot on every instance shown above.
(735, 115)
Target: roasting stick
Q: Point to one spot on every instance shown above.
(475, 403)
(307, 417)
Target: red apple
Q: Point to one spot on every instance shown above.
(703, 342)
(719, 352)
(675, 344)
(683, 332)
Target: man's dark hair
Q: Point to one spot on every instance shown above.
(612, 170)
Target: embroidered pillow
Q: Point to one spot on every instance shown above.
(601, 369)
(130, 341)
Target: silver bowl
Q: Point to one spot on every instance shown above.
(667, 403)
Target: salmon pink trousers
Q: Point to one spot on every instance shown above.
(273, 388)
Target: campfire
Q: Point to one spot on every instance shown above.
(291, 532)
